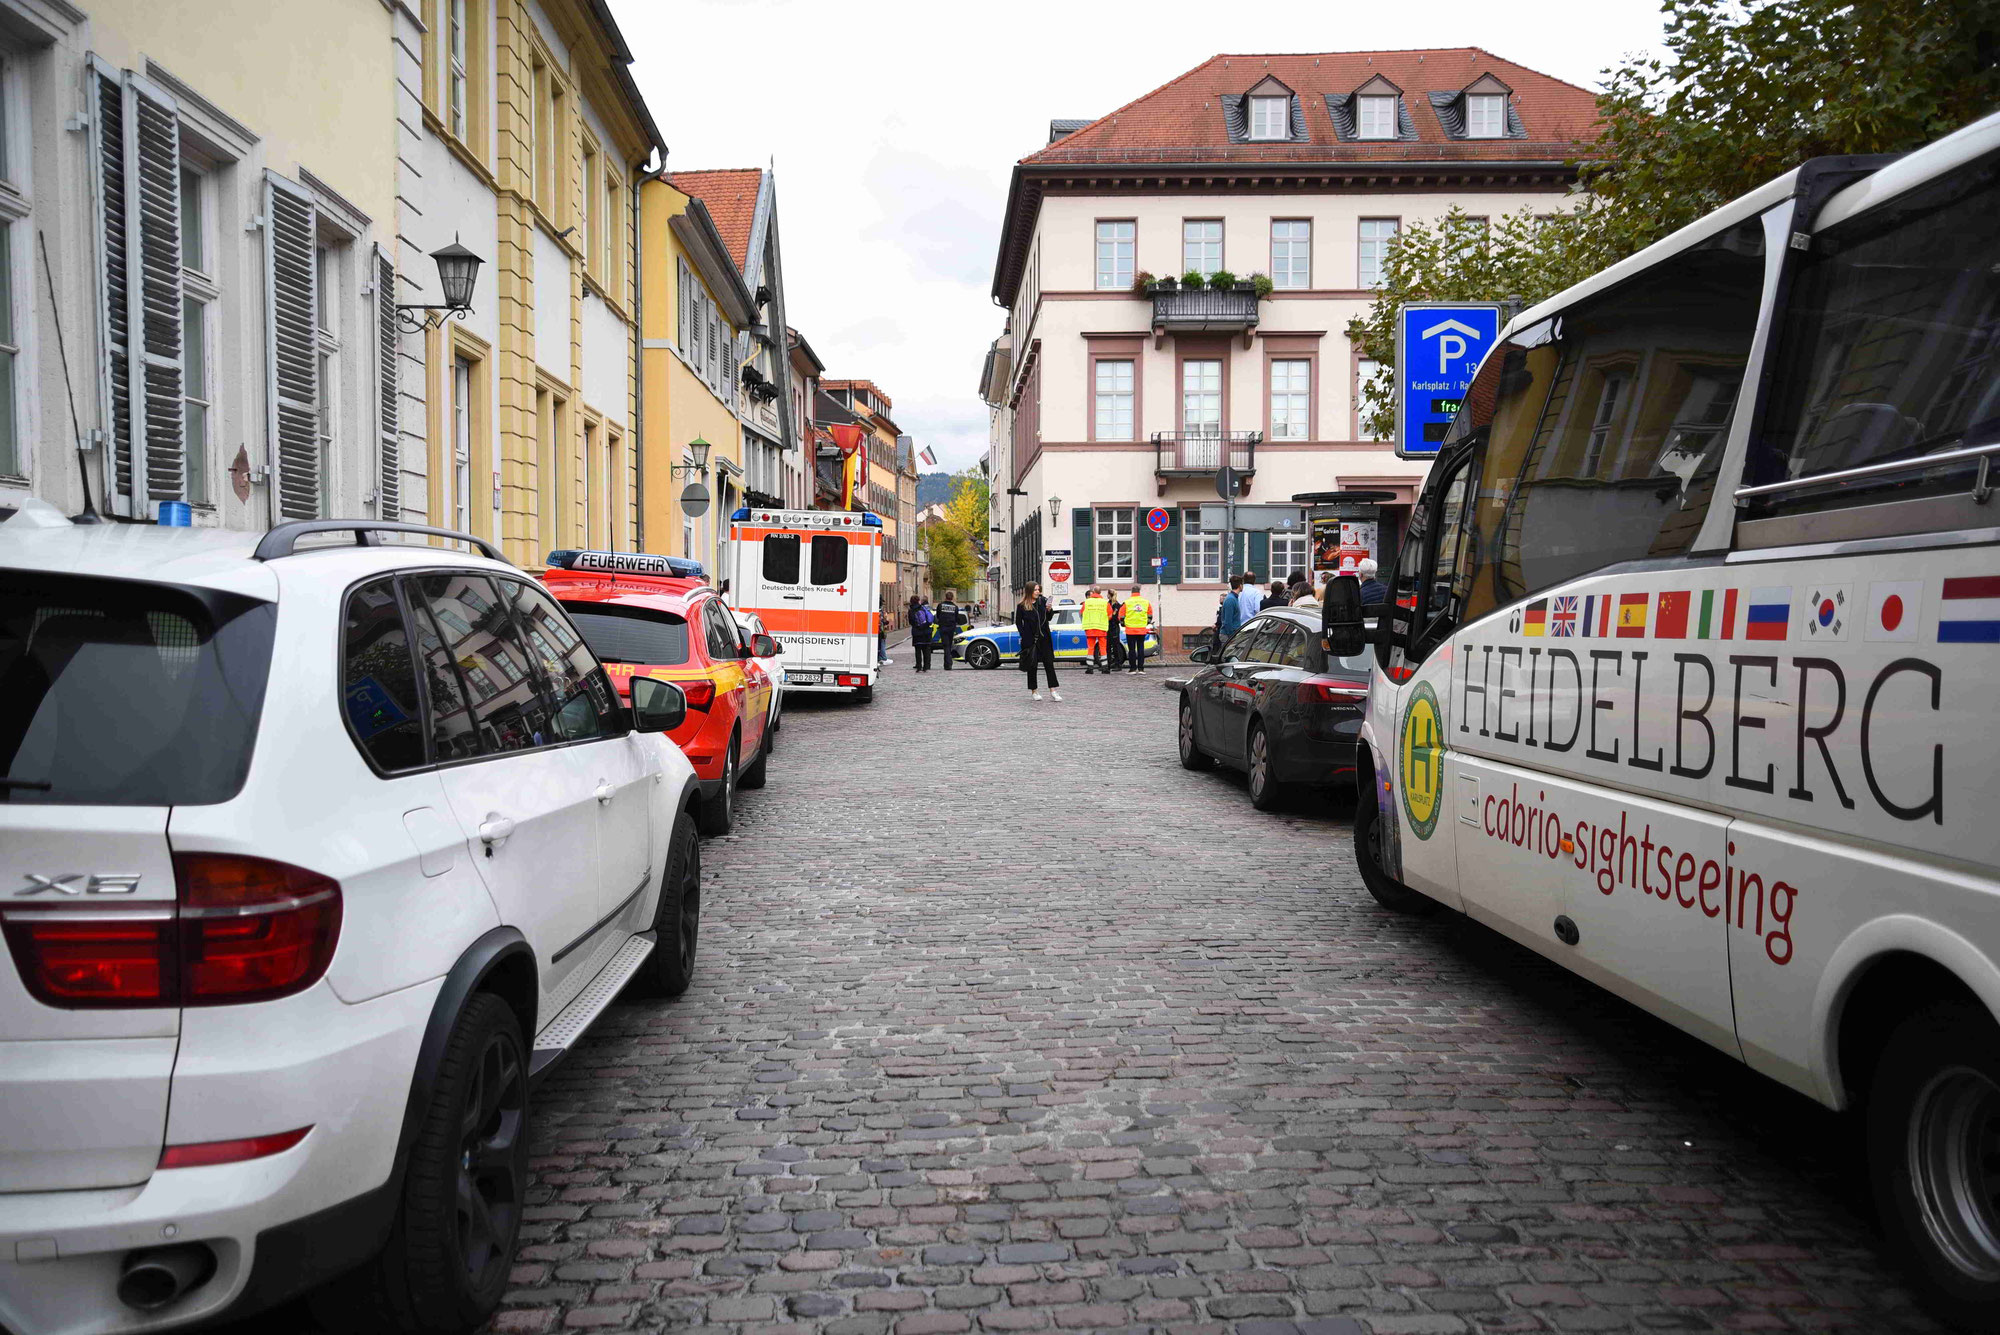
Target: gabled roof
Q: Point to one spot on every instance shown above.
(1182, 121)
(730, 195)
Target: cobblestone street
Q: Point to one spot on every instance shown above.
(1002, 1022)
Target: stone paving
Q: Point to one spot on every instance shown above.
(1004, 1022)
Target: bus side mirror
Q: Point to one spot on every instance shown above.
(1340, 617)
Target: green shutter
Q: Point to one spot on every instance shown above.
(1145, 546)
(1083, 557)
(1260, 556)
(1170, 547)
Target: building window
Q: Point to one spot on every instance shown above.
(456, 65)
(1201, 246)
(1201, 552)
(1270, 118)
(1291, 253)
(1201, 399)
(1288, 555)
(1115, 246)
(1472, 232)
(1366, 372)
(1604, 421)
(11, 462)
(461, 444)
(593, 212)
(596, 513)
(1376, 234)
(326, 320)
(1114, 400)
(1375, 118)
(552, 425)
(1114, 544)
(1291, 399)
(1486, 116)
(614, 486)
(199, 293)
(550, 137)
(614, 233)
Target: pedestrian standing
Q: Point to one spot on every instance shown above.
(1038, 644)
(1138, 618)
(1251, 600)
(1278, 596)
(922, 622)
(1114, 643)
(1308, 597)
(882, 658)
(1373, 590)
(950, 620)
(1096, 626)
(1299, 586)
(1229, 617)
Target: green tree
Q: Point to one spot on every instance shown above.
(949, 551)
(967, 506)
(1747, 92)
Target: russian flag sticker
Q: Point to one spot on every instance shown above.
(1895, 608)
(1969, 610)
(1770, 614)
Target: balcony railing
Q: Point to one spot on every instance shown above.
(1204, 451)
(1204, 311)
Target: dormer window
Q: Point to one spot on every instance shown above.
(1486, 116)
(1270, 117)
(1375, 117)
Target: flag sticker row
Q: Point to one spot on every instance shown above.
(1885, 611)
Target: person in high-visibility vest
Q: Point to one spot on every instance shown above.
(1096, 622)
(1138, 617)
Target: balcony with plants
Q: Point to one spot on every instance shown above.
(1198, 303)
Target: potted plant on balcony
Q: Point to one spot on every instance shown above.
(1222, 281)
(1262, 283)
(1193, 281)
(1166, 283)
(1142, 283)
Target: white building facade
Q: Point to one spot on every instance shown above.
(1111, 399)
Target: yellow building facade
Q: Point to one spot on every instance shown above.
(695, 310)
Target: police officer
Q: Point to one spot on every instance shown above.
(1138, 616)
(950, 620)
(1096, 626)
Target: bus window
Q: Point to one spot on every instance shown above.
(1889, 349)
(829, 558)
(781, 558)
(1604, 425)
(1449, 568)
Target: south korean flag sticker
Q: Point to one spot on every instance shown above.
(1826, 614)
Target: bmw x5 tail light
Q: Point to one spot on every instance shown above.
(242, 929)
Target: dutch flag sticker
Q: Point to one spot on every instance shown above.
(1969, 610)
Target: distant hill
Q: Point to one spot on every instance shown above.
(933, 488)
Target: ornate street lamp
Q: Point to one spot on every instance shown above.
(1055, 511)
(458, 273)
(698, 449)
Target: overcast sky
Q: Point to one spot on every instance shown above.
(894, 126)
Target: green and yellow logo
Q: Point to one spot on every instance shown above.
(1422, 760)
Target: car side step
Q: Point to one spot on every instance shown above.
(561, 1033)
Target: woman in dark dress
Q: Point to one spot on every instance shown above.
(1038, 644)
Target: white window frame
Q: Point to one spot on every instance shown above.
(462, 381)
(1486, 116)
(201, 295)
(332, 254)
(1298, 546)
(1117, 249)
(16, 205)
(1270, 117)
(1291, 253)
(1372, 249)
(1291, 403)
(1201, 552)
(1365, 370)
(1376, 116)
(1201, 245)
(457, 68)
(1613, 392)
(1201, 403)
(1112, 405)
(1114, 543)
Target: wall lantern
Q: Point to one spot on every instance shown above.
(458, 273)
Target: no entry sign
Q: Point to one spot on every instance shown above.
(1059, 572)
(1158, 519)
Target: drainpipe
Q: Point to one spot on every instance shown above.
(638, 174)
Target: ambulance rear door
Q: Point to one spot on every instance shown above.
(810, 584)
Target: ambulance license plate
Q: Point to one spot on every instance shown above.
(804, 678)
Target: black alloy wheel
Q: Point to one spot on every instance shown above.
(492, 1175)
(1192, 756)
(718, 813)
(677, 918)
(1368, 836)
(1265, 792)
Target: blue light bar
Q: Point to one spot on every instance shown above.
(741, 513)
(624, 563)
(870, 519)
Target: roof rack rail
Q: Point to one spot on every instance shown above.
(283, 539)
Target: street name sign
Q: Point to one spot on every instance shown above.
(1438, 348)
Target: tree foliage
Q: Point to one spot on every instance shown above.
(949, 551)
(1746, 92)
(967, 506)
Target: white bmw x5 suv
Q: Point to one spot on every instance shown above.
(315, 852)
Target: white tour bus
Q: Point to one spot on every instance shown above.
(1689, 678)
(814, 578)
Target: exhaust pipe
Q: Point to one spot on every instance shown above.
(158, 1276)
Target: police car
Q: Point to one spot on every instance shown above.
(1686, 680)
(997, 642)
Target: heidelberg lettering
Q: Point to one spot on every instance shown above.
(1759, 719)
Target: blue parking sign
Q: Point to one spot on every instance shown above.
(1438, 348)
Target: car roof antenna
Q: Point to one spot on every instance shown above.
(89, 514)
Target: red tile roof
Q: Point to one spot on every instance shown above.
(730, 195)
(1182, 120)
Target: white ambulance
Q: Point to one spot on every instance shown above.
(1688, 677)
(814, 577)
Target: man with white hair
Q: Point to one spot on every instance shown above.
(1372, 590)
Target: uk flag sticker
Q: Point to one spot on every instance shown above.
(1895, 608)
(1826, 612)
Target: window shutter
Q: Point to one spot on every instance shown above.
(291, 345)
(681, 300)
(709, 325)
(153, 266)
(1083, 555)
(1260, 556)
(1170, 547)
(390, 490)
(107, 150)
